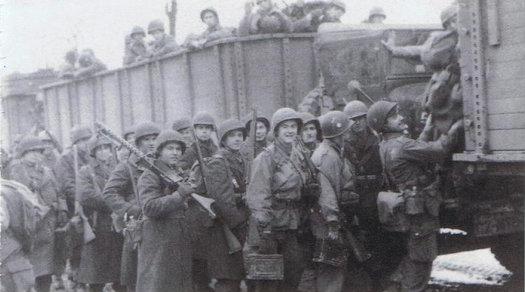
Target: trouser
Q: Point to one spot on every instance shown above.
(414, 275)
(330, 278)
(100, 287)
(43, 283)
(226, 285)
(285, 243)
(201, 276)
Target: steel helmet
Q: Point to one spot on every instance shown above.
(167, 136)
(29, 143)
(378, 113)
(127, 132)
(137, 30)
(44, 136)
(230, 125)
(355, 109)
(181, 124)
(337, 3)
(376, 11)
(78, 133)
(334, 124)
(203, 118)
(155, 25)
(145, 129)
(97, 141)
(448, 13)
(285, 114)
(261, 119)
(209, 9)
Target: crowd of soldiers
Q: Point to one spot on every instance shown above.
(300, 202)
(298, 17)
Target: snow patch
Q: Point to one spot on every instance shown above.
(479, 267)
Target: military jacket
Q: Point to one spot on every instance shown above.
(274, 191)
(208, 148)
(65, 170)
(164, 46)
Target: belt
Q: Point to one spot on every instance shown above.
(280, 204)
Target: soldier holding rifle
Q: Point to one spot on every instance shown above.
(121, 195)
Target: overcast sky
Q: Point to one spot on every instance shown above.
(37, 33)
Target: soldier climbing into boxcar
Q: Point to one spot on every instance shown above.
(136, 49)
(100, 258)
(267, 19)
(274, 197)
(162, 43)
(31, 172)
(88, 64)
(440, 54)
(214, 30)
(225, 177)
(407, 166)
(164, 252)
(121, 194)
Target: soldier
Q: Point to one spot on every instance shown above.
(184, 127)
(407, 166)
(362, 151)
(261, 134)
(20, 210)
(123, 152)
(331, 13)
(214, 30)
(31, 172)
(274, 195)
(88, 64)
(225, 178)
(51, 153)
(67, 70)
(121, 195)
(165, 248)
(439, 53)
(376, 16)
(335, 178)
(162, 43)
(100, 259)
(136, 49)
(311, 133)
(267, 19)
(203, 126)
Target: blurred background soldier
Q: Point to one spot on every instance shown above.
(162, 43)
(121, 195)
(335, 178)
(100, 258)
(376, 16)
(225, 178)
(165, 248)
(31, 172)
(274, 197)
(319, 13)
(204, 127)
(136, 49)
(185, 128)
(261, 134)
(267, 19)
(311, 133)
(214, 30)
(65, 170)
(408, 166)
(88, 64)
(20, 212)
(51, 153)
(440, 54)
(123, 152)
(67, 70)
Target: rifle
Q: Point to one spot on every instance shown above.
(312, 169)
(87, 232)
(145, 162)
(233, 243)
(253, 130)
(54, 141)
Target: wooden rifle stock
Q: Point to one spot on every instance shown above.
(233, 243)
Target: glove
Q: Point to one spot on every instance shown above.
(239, 200)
